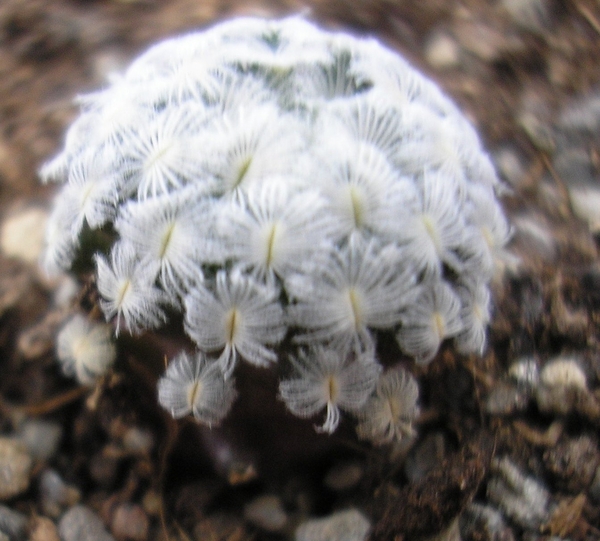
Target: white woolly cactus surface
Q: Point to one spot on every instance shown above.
(267, 179)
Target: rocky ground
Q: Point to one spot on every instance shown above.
(507, 444)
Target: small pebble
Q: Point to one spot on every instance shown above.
(525, 372)
(585, 202)
(442, 51)
(575, 167)
(510, 166)
(563, 400)
(22, 234)
(344, 475)
(81, 524)
(505, 399)
(563, 372)
(15, 468)
(55, 494)
(40, 437)
(138, 440)
(12, 523)
(129, 521)
(582, 116)
(42, 529)
(349, 525)
(267, 513)
(152, 503)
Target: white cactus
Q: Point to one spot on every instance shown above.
(301, 182)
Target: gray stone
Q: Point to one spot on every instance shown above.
(55, 494)
(12, 524)
(81, 524)
(40, 437)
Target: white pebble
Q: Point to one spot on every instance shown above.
(585, 201)
(22, 234)
(441, 51)
(564, 372)
(349, 525)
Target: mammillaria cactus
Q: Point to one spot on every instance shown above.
(273, 182)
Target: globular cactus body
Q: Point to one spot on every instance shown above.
(268, 179)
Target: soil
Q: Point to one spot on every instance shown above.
(517, 68)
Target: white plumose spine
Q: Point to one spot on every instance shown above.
(390, 411)
(242, 318)
(328, 378)
(196, 384)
